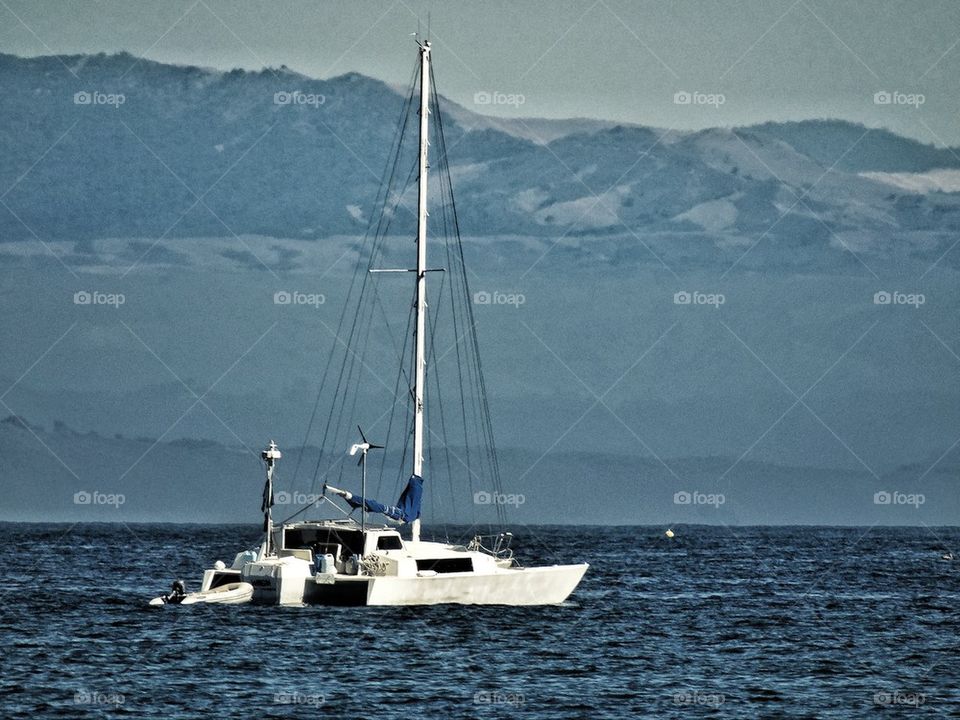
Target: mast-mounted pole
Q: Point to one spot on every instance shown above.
(419, 387)
(270, 457)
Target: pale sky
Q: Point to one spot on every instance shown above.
(613, 59)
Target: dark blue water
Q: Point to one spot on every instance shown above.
(749, 622)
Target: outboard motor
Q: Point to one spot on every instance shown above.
(177, 593)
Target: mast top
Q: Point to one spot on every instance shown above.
(272, 453)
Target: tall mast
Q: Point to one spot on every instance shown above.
(421, 360)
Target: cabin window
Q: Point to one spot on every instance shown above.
(224, 578)
(389, 542)
(320, 539)
(446, 565)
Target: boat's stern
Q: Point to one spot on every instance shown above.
(278, 580)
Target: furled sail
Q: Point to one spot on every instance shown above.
(407, 508)
(266, 503)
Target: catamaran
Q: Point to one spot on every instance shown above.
(350, 561)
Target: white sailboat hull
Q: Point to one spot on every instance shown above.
(416, 573)
(549, 585)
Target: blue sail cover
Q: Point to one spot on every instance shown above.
(407, 508)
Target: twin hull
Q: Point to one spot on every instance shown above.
(290, 581)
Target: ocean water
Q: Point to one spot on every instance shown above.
(716, 622)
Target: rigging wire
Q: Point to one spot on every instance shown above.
(376, 247)
(384, 188)
(353, 338)
(475, 343)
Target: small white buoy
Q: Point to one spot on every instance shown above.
(669, 533)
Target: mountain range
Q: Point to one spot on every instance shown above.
(279, 154)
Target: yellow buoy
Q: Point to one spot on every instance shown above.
(669, 533)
